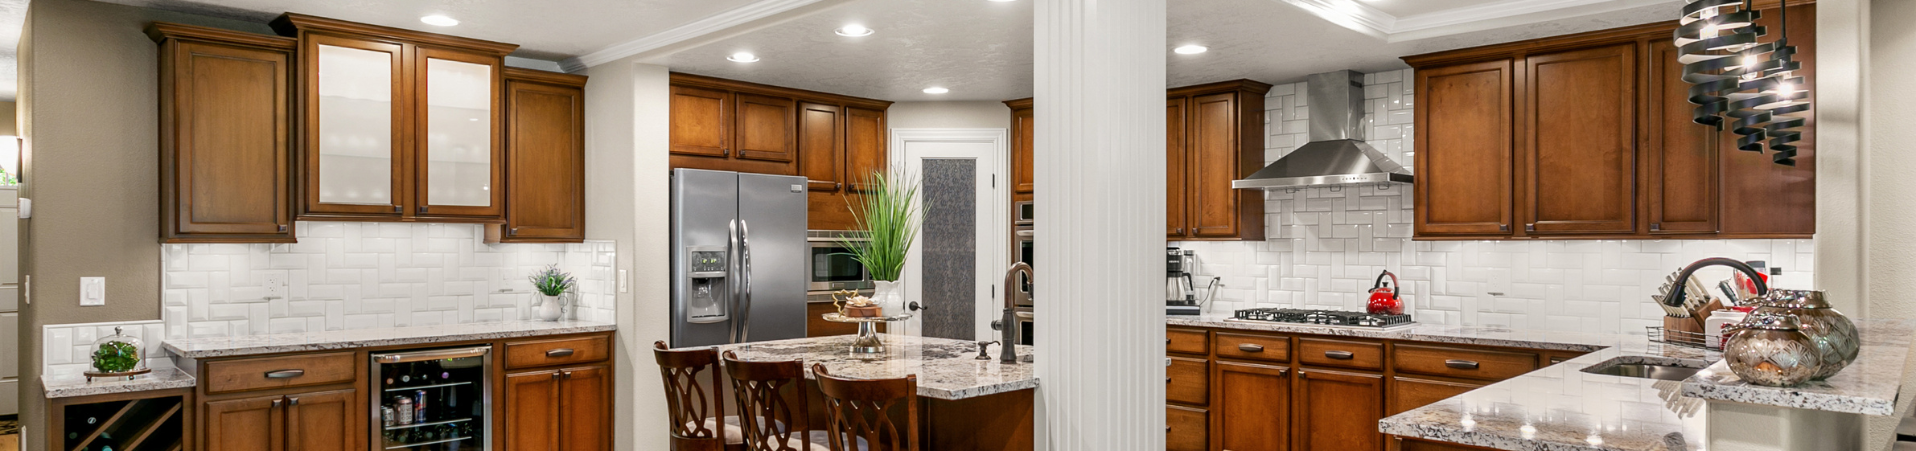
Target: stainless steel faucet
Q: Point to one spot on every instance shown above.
(1008, 326)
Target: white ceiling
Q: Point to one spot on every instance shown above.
(13, 18)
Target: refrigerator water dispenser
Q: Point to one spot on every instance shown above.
(706, 275)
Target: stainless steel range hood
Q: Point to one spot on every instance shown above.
(1337, 154)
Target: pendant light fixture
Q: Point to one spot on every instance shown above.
(1735, 76)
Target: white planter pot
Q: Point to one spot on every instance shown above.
(890, 296)
(550, 308)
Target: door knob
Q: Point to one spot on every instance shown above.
(914, 306)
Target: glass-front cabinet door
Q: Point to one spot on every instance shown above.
(458, 154)
(356, 119)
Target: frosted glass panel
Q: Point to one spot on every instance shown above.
(458, 133)
(355, 126)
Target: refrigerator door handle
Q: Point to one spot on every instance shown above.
(732, 282)
(745, 282)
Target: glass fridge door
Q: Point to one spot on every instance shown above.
(432, 400)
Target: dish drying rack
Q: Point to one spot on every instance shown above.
(1684, 338)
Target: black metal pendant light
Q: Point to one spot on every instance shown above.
(1735, 76)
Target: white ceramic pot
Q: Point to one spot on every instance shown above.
(550, 307)
(889, 295)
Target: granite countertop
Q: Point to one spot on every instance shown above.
(946, 369)
(1560, 407)
(208, 347)
(75, 385)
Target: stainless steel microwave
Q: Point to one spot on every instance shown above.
(833, 267)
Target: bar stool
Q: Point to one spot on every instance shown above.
(772, 404)
(859, 410)
(695, 414)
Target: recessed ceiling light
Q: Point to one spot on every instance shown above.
(743, 57)
(937, 90)
(438, 20)
(1191, 49)
(854, 30)
(1003, 1)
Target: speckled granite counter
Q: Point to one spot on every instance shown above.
(74, 385)
(199, 348)
(946, 369)
(1560, 407)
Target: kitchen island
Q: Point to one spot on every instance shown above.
(964, 403)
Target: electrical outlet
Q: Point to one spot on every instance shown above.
(274, 283)
(92, 291)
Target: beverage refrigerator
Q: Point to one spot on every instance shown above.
(432, 400)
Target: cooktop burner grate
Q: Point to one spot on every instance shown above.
(1325, 317)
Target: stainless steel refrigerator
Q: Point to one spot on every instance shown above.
(739, 257)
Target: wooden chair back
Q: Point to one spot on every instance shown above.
(770, 396)
(865, 409)
(689, 402)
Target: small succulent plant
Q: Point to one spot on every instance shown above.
(116, 357)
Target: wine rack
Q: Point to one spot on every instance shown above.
(156, 423)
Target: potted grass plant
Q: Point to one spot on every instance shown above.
(553, 286)
(888, 213)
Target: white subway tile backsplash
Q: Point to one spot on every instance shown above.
(1325, 246)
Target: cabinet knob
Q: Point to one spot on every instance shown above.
(277, 402)
(1656, 227)
(282, 228)
(1503, 227)
(567, 374)
(555, 375)
(725, 152)
(513, 232)
(1529, 227)
(1179, 232)
(838, 185)
(399, 209)
(292, 401)
(422, 209)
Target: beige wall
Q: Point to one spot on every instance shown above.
(949, 115)
(89, 105)
(9, 125)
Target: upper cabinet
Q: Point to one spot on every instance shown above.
(1021, 141)
(545, 158)
(833, 141)
(225, 143)
(1589, 136)
(400, 125)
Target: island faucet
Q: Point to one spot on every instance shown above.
(1008, 326)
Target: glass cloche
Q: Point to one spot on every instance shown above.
(118, 355)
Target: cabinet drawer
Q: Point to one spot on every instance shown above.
(1408, 394)
(1341, 354)
(1188, 381)
(530, 354)
(277, 372)
(1186, 341)
(1254, 347)
(1481, 364)
(1186, 429)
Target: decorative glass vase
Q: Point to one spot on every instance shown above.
(890, 296)
(1837, 342)
(117, 355)
(1771, 349)
(551, 308)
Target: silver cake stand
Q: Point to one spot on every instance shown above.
(867, 341)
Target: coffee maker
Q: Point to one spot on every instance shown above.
(1180, 290)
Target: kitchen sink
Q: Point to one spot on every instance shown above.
(1642, 370)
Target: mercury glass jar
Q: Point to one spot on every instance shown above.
(1837, 342)
(118, 354)
(1771, 349)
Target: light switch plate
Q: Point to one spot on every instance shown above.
(625, 282)
(92, 291)
(274, 284)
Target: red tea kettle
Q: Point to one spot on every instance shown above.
(1383, 298)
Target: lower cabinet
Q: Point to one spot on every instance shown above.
(1339, 410)
(562, 409)
(1253, 407)
(1410, 393)
(322, 421)
(1186, 429)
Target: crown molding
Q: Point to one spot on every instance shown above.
(712, 24)
(1350, 14)
(1374, 22)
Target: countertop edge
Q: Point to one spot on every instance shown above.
(76, 386)
(575, 327)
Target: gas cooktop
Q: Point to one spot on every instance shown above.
(1332, 318)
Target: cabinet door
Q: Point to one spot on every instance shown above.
(357, 127)
(532, 411)
(821, 146)
(250, 424)
(1464, 149)
(865, 144)
(226, 143)
(1022, 140)
(1407, 394)
(1175, 211)
(1579, 141)
(1679, 156)
(457, 156)
(1254, 407)
(545, 155)
(585, 409)
(324, 421)
(701, 122)
(764, 127)
(1212, 161)
(1343, 409)
(1188, 381)
(1762, 199)
(1186, 429)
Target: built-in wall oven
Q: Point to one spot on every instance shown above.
(832, 266)
(1023, 248)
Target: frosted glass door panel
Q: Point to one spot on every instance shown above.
(458, 133)
(355, 126)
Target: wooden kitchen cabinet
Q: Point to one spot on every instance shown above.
(700, 122)
(1407, 393)
(1023, 180)
(821, 140)
(1253, 407)
(1175, 155)
(559, 409)
(1223, 142)
(865, 144)
(1339, 410)
(585, 399)
(545, 158)
(399, 125)
(225, 135)
(1185, 429)
(1589, 136)
(246, 424)
(532, 411)
(319, 421)
(765, 127)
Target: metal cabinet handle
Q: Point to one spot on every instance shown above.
(292, 402)
(285, 374)
(1167, 341)
(838, 185)
(725, 152)
(422, 209)
(282, 227)
(1339, 355)
(1247, 347)
(1656, 227)
(1180, 231)
(1503, 227)
(1167, 380)
(567, 375)
(1167, 429)
(398, 209)
(1529, 227)
(555, 375)
(513, 232)
(561, 352)
(1461, 364)
(277, 402)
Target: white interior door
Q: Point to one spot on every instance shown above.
(946, 162)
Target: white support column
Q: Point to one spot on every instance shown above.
(1100, 190)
